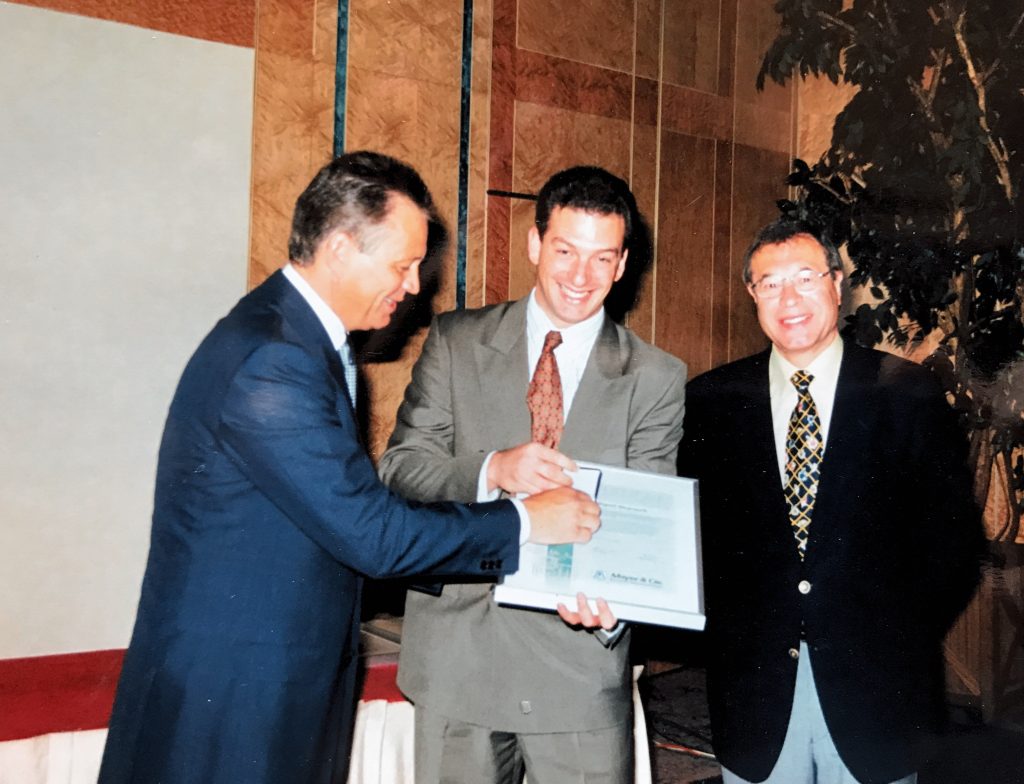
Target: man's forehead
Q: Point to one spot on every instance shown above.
(801, 249)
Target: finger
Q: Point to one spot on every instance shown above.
(553, 473)
(567, 615)
(605, 615)
(586, 616)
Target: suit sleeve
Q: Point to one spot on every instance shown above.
(420, 462)
(281, 425)
(654, 444)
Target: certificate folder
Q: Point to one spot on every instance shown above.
(645, 560)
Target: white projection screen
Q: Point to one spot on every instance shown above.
(124, 220)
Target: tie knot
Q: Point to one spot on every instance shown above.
(552, 340)
(802, 381)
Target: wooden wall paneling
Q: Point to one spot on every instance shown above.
(403, 98)
(587, 31)
(760, 176)
(728, 11)
(644, 184)
(722, 256)
(695, 113)
(293, 118)
(222, 21)
(479, 140)
(548, 139)
(502, 122)
(648, 24)
(686, 215)
(763, 119)
(691, 54)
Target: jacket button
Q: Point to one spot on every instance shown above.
(804, 587)
(794, 653)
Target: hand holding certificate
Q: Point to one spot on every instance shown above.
(645, 559)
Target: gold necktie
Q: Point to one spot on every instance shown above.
(804, 450)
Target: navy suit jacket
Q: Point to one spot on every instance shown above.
(892, 558)
(267, 515)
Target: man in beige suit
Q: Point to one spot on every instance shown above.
(500, 690)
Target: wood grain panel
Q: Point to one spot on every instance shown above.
(695, 113)
(686, 219)
(407, 38)
(644, 184)
(547, 140)
(727, 47)
(760, 176)
(293, 119)
(574, 86)
(724, 271)
(223, 21)
(647, 61)
(501, 146)
(403, 98)
(691, 50)
(757, 24)
(598, 32)
(479, 148)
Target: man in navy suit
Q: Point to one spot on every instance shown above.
(840, 537)
(268, 512)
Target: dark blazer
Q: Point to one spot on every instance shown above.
(893, 557)
(267, 515)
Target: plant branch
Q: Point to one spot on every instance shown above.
(996, 149)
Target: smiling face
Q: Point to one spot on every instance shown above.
(369, 278)
(799, 325)
(578, 259)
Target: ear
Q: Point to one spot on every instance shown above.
(837, 280)
(533, 245)
(339, 247)
(621, 268)
(750, 291)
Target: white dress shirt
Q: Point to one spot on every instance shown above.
(572, 355)
(825, 370)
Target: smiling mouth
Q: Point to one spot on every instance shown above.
(575, 297)
(793, 321)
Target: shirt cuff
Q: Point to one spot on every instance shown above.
(482, 493)
(525, 529)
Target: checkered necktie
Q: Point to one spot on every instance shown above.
(804, 450)
(544, 395)
(348, 363)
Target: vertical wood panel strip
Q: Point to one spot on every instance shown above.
(465, 107)
(502, 128)
(341, 78)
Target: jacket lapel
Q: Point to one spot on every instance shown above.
(602, 396)
(503, 377)
(306, 329)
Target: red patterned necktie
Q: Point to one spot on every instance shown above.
(544, 396)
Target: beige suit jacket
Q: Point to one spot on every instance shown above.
(463, 655)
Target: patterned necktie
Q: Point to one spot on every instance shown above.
(544, 396)
(348, 362)
(804, 450)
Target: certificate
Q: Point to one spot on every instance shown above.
(644, 560)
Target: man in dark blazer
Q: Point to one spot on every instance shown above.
(268, 512)
(839, 548)
(502, 689)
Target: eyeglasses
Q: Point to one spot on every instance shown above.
(804, 281)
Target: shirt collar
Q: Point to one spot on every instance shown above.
(538, 324)
(824, 367)
(332, 323)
